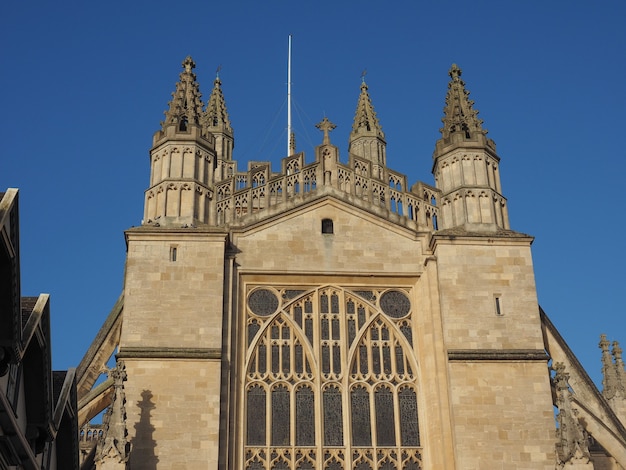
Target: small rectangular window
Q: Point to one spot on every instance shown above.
(173, 253)
(327, 226)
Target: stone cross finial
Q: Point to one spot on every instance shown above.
(363, 74)
(325, 126)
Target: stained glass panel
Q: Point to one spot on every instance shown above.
(333, 421)
(286, 349)
(253, 329)
(385, 423)
(305, 417)
(409, 428)
(262, 350)
(360, 414)
(323, 303)
(256, 416)
(280, 416)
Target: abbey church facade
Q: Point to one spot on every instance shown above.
(337, 315)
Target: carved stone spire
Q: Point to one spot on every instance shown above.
(617, 395)
(367, 139)
(459, 116)
(182, 160)
(466, 167)
(217, 122)
(216, 115)
(186, 105)
(620, 372)
(609, 376)
(365, 120)
(114, 450)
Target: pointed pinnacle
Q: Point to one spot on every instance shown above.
(186, 103)
(365, 119)
(216, 114)
(459, 116)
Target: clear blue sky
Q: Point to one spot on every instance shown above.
(85, 84)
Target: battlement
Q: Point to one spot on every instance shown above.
(243, 194)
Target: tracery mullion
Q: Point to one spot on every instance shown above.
(343, 377)
(396, 411)
(269, 359)
(317, 384)
(317, 375)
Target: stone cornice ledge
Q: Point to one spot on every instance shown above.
(169, 353)
(497, 355)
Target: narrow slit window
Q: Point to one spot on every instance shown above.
(173, 253)
(498, 305)
(327, 226)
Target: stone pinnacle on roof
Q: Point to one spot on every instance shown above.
(216, 115)
(365, 120)
(620, 372)
(609, 376)
(186, 104)
(459, 117)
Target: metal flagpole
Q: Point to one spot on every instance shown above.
(289, 100)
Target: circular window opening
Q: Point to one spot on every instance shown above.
(395, 304)
(263, 302)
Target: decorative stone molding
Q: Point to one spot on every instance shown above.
(572, 447)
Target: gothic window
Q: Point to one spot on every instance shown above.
(330, 380)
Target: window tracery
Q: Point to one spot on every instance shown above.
(330, 380)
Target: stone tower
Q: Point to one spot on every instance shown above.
(183, 157)
(172, 337)
(466, 166)
(331, 316)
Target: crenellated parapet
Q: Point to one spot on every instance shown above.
(258, 192)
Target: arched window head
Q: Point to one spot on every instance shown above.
(183, 124)
(327, 226)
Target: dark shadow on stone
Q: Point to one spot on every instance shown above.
(142, 456)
